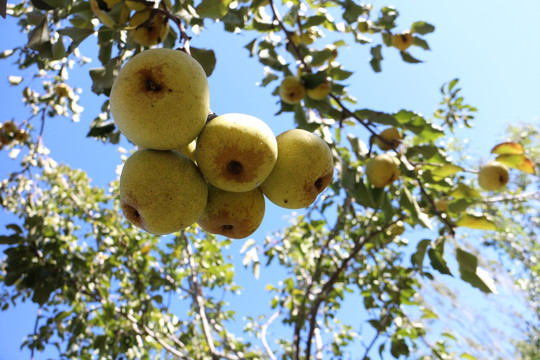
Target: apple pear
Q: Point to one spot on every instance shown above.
(160, 99)
(162, 192)
(442, 204)
(321, 91)
(304, 168)
(149, 28)
(236, 152)
(233, 214)
(388, 139)
(493, 176)
(189, 150)
(382, 170)
(403, 40)
(292, 90)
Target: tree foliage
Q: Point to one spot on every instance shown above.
(105, 288)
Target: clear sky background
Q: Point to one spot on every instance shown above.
(491, 46)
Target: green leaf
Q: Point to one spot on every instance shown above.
(352, 11)
(420, 43)
(205, 57)
(311, 81)
(376, 58)
(409, 58)
(471, 273)
(463, 191)
(251, 47)
(103, 77)
(39, 38)
(437, 261)
(460, 205)
(446, 170)
(422, 28)
(409, 204)
(77, 36)
(399, 347)
(213, 9)
(476, 221)
(418, 257)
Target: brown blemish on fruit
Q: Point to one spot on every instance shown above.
(226, 228)
(226, 224)
(152, 81)
(242, 166)
(235, 167)
(133, 215)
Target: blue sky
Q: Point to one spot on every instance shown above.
(492, 47)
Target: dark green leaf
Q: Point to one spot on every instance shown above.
(213, 9)
(205, 57)
(399, 347)
(420, 43)
(311, 81)
(251, 47)
(418, 257)
(409, 58)
(376, 58)
(103, 77)
(39, 39)
(438, 262)
(352, 11)
(469, 271)
(422, 28)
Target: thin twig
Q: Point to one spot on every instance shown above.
(38, 316)
(264, 329)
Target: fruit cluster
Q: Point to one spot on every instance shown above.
(192, 167)
(9, 132)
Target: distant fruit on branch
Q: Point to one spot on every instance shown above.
(493, 176)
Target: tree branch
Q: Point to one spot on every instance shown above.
(328, 286)
(535, 195)
(199, 301)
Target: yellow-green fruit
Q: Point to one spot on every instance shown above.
(162, 191)
(388, 139)
(304, 168)
(321, 91)
(148, 34)
(189, 150)
(292, 90)
(62, 90)
(442, 204)
(160, 99)
(236, 152)
(382, 170)
(403, 40)
(233, 214)
(493, 176)
(363, 25)
(397, 229)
